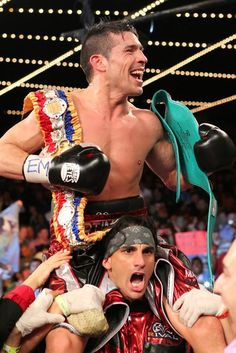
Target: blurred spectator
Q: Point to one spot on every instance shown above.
(197, 268)
(37, 219)
(26, 236)
(5, 270)
(167, 232)
(9, 237)
(179, 222)
(225, 233)
(41, 240)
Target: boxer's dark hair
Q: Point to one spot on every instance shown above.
(99, 41)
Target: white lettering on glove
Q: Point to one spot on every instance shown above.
(36, 315)
(197, 302)
(78, 300)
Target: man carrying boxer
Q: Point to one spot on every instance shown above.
(144, 276)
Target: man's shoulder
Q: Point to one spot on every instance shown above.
(143, 113)
(135, 109)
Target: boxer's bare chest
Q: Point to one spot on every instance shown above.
(121, 137)
(124, 138)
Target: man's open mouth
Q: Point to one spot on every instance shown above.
(137, 74)
(137, 281)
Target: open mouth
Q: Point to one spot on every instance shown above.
(137, 281)
(137, 74)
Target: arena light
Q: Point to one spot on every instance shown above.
(203, 15)
(41, 69)
(4, 2)
(40, 86)
(185, 10)
(144, 10)
(148, 70)
(149, 43)
(189, 59)
(214, 104)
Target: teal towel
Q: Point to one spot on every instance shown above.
(182, 129)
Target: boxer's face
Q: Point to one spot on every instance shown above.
(130, 269)
(125, 64)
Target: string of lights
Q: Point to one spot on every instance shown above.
(142, 12)
(214, 104)
(212, 15)
(37, 62)
(189, 59)
(163, 43)
(4, 2)
(75, 65)
(147, 82)
(37, 37)
(200, 105)
(39, 86)
(40, 70)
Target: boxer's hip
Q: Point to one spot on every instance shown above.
(100, 214)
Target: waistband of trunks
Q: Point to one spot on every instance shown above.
(122, 206)
(110, 217)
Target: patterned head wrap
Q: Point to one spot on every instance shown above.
(129, 236)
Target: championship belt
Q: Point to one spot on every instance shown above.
(61, 129)
(182, 129)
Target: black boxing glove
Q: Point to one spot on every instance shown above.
(84, 168)
(215, 150)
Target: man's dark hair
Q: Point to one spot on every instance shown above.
(127, 221)
(98, 41)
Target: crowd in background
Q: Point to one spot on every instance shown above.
(189, 214)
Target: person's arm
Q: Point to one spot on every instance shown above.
(161, 160)
(212, 142)
(87, 302)
(35, 316)
(12, 307)
(10, 312)
(16, 302)
(42, 272)
(205, 336)
(205, 303)
(23, 294)
(83, 167)
(22, 139)
(13, 340)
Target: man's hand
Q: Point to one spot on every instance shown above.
(78, 300)
(84, 168)
(197, 302)
(83, 308)
(42, 272)
(215, 150)
(36, 315)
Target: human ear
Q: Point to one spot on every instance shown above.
(97, 61)
(106, 263)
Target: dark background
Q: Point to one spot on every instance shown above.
(164, 26)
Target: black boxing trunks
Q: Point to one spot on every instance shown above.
(100, 214)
